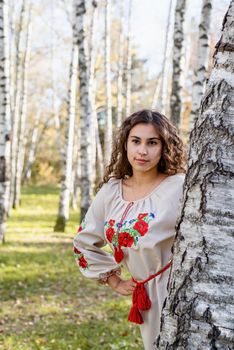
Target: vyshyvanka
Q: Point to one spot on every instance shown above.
(141, 235)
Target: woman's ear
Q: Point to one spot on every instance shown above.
(125, 146)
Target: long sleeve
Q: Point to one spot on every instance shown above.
(92, 260)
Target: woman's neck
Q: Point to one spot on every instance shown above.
(141, 178)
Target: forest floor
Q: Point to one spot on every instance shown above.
(46, 304)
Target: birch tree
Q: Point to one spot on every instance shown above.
(175, 102)
(23, 113)
(85, 108)
(4, 117)
(202, 54)
(17, 97)
(32, 148)
(108, 129)
(92, 85)
(120, 67)
(129, 62)
(160, 102)
(199, 311)
(64, 200)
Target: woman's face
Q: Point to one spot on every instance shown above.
(144, 147)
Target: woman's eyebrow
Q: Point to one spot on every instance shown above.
(150, 138)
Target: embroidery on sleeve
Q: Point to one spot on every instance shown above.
(81, 261)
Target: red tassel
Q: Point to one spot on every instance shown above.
(135, 316)
(143, 301)
(119, 254)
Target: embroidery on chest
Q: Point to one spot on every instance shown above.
(129, 232)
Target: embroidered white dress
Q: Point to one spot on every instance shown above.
(145, 236)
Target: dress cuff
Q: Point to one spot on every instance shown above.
(103, 277)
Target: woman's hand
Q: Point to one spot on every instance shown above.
(120, 286)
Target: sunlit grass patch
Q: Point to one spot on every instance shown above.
(45, 302)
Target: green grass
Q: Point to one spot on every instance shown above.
(45, 302)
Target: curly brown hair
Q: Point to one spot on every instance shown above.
(173, 156)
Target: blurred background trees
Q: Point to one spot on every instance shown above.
(76, 70)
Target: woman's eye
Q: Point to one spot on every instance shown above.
(153, 143)
(135, 141)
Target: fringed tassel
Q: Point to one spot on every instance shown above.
(135, 316)
(143, 301)
(118, 254)
(140, 301)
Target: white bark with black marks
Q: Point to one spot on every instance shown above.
(129, 62)
(200, 74)
(199, 311)
(120, 68)
(20, 155)
(85, 107)
(108, 128)
(66, 183)
(160, 103)
(175, 102)
(20, 49)
(5, 122)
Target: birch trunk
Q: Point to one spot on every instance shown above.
(32, 149)
(202, 62)
(64, 200)
(175, 102)
(23, 115)
(108, 129)
(159, 104)
(99, 155)
(120, 69)
(5, 123)
(199, 311)
(17, 96)
(85, 109)
(129, 63)
(92, 84)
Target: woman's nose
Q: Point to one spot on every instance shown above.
(142, 150)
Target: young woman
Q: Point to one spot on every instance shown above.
(135, 212)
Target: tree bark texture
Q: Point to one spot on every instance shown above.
(92, 84)
(64, 200)
(108, 129)
(129, 63)
(175, 102)
(17, 97)
(120, 68)
(202, 62)
(32, 148)
(159, 104)
(199, 311)
(5, 127)
(85, 108)
(23, 114)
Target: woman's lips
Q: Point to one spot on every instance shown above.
(141, 161)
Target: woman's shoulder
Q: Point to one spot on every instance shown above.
(171, 186)
(111, 186)
(177, 179)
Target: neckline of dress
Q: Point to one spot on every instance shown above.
(143, 198)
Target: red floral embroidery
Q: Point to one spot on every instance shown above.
(111, 222)
(125, 239)
(79, 229)
(76, 251)
(110, 233)
(142, 216)
(82, 262)
(141, 226)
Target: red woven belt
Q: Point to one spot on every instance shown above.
(140, 299)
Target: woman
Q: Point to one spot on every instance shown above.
(135, 212)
